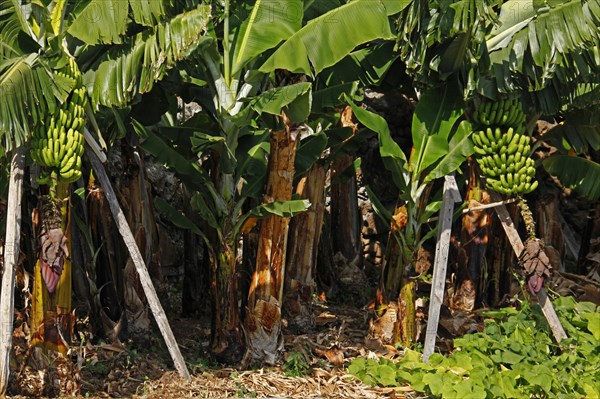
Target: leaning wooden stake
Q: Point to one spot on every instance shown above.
(11, 255)
(517, 244)
(138, 261)
(451, 196)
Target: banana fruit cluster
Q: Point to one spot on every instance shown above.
(57, 143)
(501, 150)
(499, 113)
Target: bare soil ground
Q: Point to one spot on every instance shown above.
(313, 365)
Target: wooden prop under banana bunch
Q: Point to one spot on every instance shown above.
(57, 146)
(502, 151)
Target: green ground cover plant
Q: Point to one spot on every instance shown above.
(513, 357)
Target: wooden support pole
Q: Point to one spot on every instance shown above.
(138, 261)
(517, 245)
(451, 196)
(11, 256)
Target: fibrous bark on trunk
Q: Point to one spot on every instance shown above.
(109, 322)
(136, 256)
(227, 335)
(262, 326)
(303, 245)
(345, 216)
(394, 304)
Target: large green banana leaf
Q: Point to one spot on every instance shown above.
(28, 89)
(106, 21)
(578, 173)
(133, 67)
(270, 22)
(274, 100)
(460, 148)
(368, 65)
(435, 116)
(327, 39)
(581, 131)
(310, 150)
(533, 38)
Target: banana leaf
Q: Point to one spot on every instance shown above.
(269, 23)
(580, 174)
(274, 100)
(459, 149)
(309, 152)
(106, 21)
(392, 155)
(580, 131)
(435, 116)
(336, 33)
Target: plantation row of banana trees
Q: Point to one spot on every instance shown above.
(280, 86)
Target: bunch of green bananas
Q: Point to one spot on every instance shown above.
(503, 159)
(503, 154)
(499, 113)
(57, 143)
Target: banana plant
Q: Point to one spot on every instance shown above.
(501, 48)
(45, 103)
(239, 85)
(510, 49)
(441, 144)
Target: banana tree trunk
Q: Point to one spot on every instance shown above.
(303, 245)
(196, 278)
(139, 212)
(51, 320)
(345, 218)
(471, 253)
(550, 229)
(138, 261)
(394, 304)
(262, 326)
(500, 258)
(11, 256)
(109, 322)
(228, 345)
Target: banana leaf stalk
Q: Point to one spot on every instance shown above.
(473, 245)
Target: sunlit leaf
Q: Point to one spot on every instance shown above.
(335, 33)
(269, 23)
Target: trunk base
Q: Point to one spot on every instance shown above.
(297, 306)
(230, 349)
(263, 333)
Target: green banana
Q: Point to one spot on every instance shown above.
(68, 163)
(533, 186)
(484, 139)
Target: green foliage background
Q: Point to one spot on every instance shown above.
(514, 357)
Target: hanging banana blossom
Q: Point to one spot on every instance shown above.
(533, 258)
(53, 242)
